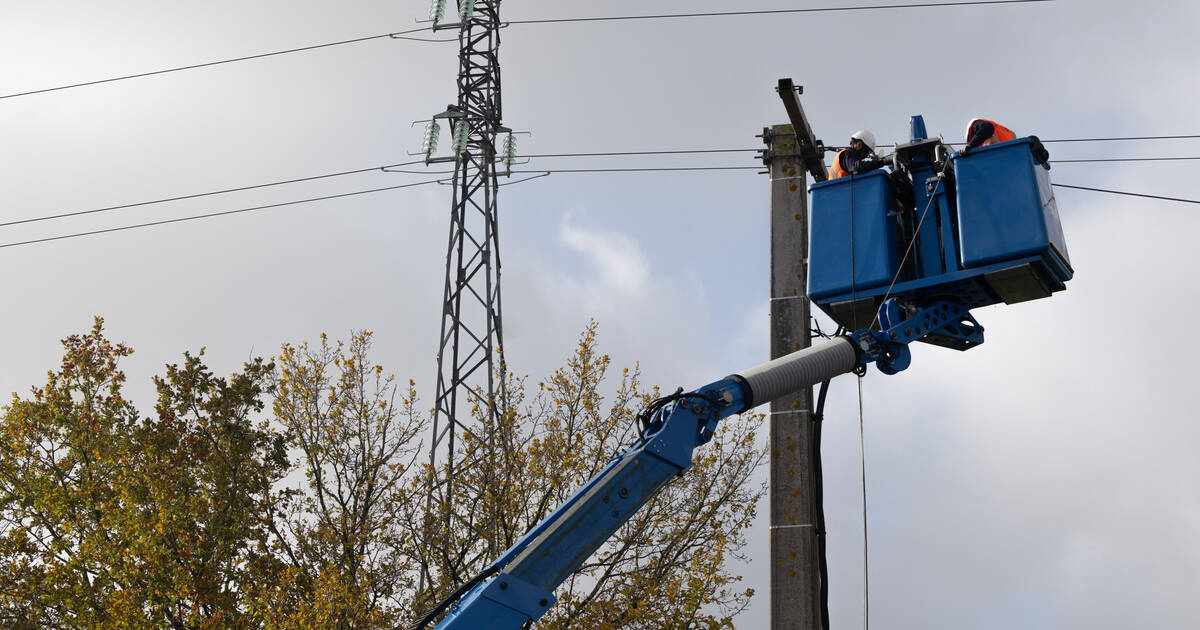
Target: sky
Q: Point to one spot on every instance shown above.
(1046, 479)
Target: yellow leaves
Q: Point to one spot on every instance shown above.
(340, 542)
(538, 454)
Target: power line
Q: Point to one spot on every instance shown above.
(1180, 137)
(223, 61)
(611, 153)
(390, 168)
(955, 144)
(539, 173)
(768, 12)
(648, 169)
(400, 35)
(730, 168)
(628, 153)
(1121, 192)
(204, 194)
(215, 214)
(1125, 138)
(297, 180)
(1149, 159)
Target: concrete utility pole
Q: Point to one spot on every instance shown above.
(795, 577)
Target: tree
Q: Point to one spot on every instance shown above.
(664, 569)
(113, 522)
(340, 530)
(207, 514)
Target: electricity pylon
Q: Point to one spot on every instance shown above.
(470, 348)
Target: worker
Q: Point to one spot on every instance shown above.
(982, 132)
(857, 158)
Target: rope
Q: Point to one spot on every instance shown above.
(853, 287)
(863, 451)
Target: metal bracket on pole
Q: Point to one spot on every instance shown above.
(811, 150)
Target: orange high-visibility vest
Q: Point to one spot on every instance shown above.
(836, 170)
(1001, 134)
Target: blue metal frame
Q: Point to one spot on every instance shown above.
(888, 349)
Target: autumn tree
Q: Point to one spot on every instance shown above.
(665, 569)
(339, 531)
(212, 513)
(108, 521)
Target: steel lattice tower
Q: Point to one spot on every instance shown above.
(470, 344)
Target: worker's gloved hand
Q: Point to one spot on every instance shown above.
(963, 151)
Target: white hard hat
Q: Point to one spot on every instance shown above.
(867, 137)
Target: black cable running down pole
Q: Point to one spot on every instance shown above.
(819, 499)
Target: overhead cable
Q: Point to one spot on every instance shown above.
(603, 170)
(646, 169)
(223, 61)
(731, 168)
(1121, 192)
(204, 194)
(1125, 138)
(629, 153)
(522, 181)
(401, 34)
(612, 153)
(538, 174)
(1144, 159)
(392, 168)
(957, 144)
(1121, 160)
(665, 16)
(216, 214)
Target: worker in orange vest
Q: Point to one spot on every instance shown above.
(857, 158)
(982, 132)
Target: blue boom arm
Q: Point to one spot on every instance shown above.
(518, 587)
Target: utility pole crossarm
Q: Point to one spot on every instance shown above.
(810, 150)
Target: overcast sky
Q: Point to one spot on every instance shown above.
(1047, 479)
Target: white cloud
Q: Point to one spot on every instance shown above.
(617, 260)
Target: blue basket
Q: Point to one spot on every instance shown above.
(1006, 207)
(852, 218)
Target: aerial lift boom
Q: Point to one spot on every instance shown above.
(517, 588)
(983, 230)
